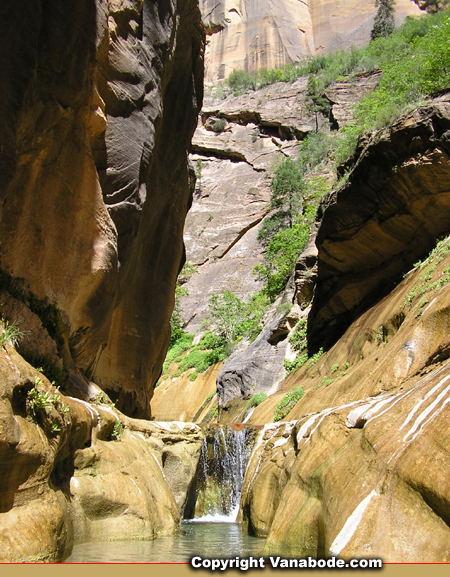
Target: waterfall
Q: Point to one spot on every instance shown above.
(220, 473)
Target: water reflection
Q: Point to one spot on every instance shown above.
(203, 539)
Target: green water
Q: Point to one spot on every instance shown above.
(202, 539)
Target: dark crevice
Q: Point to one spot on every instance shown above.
(230, 155)
(241, 234)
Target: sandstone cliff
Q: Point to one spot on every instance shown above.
(393, 209)
(245, 35)
(99, 102)
(235, 165)
(359, 469)
(98, 105)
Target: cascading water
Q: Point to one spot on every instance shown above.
(220, 474)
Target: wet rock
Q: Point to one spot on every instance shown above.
(366, 461)
(181, 399)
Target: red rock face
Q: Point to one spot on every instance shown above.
(99, 104)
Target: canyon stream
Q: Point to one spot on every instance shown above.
(210, 527)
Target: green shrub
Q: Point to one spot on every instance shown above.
(296, 364)
(298, 336)
(117, 431)
(213, 413)
(280, 257)
(230, 317)
(315, 357)
(210, 341)
(415, 62)
(240, 81)
(12, 334)
(287, 403)
(219, 125)
(256, 400)
(181, 344)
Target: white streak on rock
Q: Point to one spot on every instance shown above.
(424, 414)
(421, 401)
(350, 526)
(92, 410)
(137, 486)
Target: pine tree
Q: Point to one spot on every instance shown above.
(384, 24)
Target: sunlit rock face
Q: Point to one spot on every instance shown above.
(249, 34)
(359, 465)
(99, 103)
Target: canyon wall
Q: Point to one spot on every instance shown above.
(249, 35)
(98, 106)
(358, 467)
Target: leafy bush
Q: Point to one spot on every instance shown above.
(298, 336)
(177, 347)
(315, 149)
(219, 125)
(315, 357)
(287, 403)
(117, 431)
(295, 364)
(230, 318)
(210, 341)
(214, 413)
(415, 62)
(256, 400)
(286, 186)
(280, 257)
(240, 81)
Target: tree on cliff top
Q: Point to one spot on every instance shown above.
(384, 24)
(432, 6)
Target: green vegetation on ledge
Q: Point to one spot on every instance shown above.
(287, 403)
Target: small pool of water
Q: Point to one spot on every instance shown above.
(203, 539)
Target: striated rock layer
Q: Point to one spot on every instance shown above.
(248, 35)
(99, 102)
